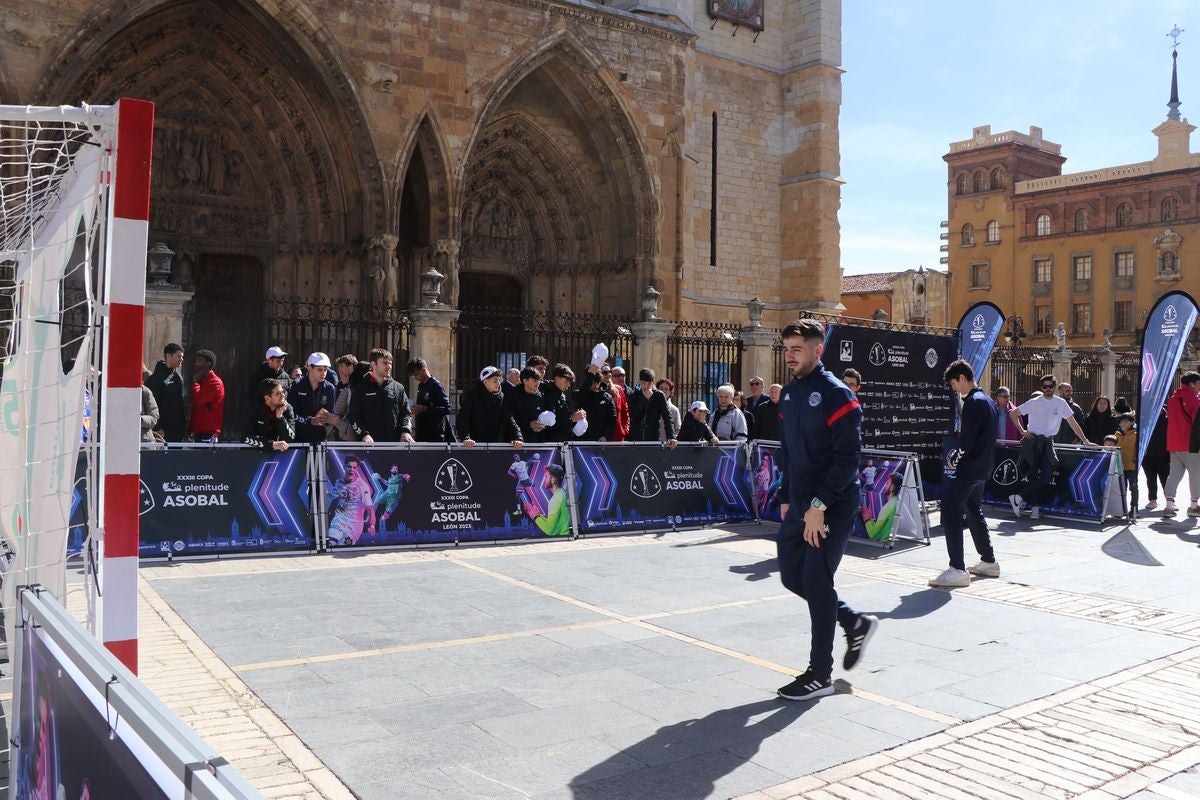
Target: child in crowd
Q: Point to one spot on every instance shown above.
(1127, 441)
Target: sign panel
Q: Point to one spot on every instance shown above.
(214, 501)
(381, 496)
(906, 405)
(635, 488)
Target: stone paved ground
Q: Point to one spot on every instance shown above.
(644, 667)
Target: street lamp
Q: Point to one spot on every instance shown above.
(1015, 331)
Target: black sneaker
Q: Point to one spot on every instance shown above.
(856, 639)
(806, 687)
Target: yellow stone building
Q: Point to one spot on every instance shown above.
(1092, 250)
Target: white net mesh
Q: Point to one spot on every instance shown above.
(54, 170)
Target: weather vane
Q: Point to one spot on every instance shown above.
(1175, 33)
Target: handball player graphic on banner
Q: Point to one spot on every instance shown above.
(417, 494)
(1168, 326)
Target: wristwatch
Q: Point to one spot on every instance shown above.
(818, 505)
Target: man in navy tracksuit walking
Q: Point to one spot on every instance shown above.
(972, 463)
(820, 444)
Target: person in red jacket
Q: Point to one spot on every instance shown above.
(617, 374)
(1181, 411)
(208, 399)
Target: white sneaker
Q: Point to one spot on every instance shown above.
(986, 570)
(951, 579)
(1035, 512)
(1016, 501)
(1169, 510)
(1153, 504)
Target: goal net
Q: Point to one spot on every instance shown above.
(72, 291)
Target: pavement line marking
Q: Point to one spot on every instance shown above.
(642, 622)
(417, 646)
(335, 559)
(494, 637)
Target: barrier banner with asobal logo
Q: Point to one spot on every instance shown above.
(224, 499)
(401, 496)
(636, 487)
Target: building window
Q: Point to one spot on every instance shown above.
(1081, 318)
(1043, 225)
(1042, 269)
(1124, 215)
(1082, 268)
(998, 178)
(1170, 209)
(1081, 220)
(1042, 326)
(993, 231)
(1123, 264)
(968, 235)
(981, 275)
(980, 182)
(1123, 316)
(962, 184)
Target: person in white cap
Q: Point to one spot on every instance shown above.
(270, 369)
(483, 415)
(695, 425)
(313, 398)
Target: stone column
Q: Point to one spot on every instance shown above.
(163, 316)
(431, 337)
(651, 348)
(1062, 364)
(164, 320)
(758, 357)
(1108, 385)
(652, 332)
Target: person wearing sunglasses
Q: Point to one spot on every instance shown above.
(1046, 413)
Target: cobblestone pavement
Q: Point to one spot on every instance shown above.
(643, 667)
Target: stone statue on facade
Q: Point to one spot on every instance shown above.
(1060, 335)
(383, 269)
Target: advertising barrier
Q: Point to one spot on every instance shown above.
(87, 728)
(398, 494)
(1086, 484)
(890, 490)
(221, 499)
(638, 486)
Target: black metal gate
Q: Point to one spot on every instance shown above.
(1128, 366)
(1086, 378)
(1020, 369)
(702, 356)
(336, 327)
(505, 337)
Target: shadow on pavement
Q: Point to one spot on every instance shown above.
(1124, 546)
(713, 747)
(916, 604)
(759, 570)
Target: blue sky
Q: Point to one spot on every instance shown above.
(922, 73)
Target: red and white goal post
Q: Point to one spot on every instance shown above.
(74, 217)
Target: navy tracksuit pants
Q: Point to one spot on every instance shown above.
(808, 571)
